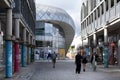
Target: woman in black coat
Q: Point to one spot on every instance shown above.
(78, 59)
(84, 61)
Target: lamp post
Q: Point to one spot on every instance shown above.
(105, 55)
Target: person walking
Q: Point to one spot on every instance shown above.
(94, 59)
(54, 56)
(78, 59)
(84, 61)
(49, 56)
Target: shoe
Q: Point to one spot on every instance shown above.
(78, 72)
(53, 66)
(84, 70)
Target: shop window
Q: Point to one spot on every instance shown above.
(39, 43)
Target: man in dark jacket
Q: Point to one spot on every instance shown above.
(54, 56)
(78, 58)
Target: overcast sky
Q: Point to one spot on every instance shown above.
(72, 7)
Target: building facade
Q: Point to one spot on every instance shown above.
(57, 29)
(17, 26)
(100, 20)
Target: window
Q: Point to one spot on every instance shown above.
(95, 15)
(87, 22)
(94, 3)
(81, 14)
(39, 43)
(118, 1)
(106, 1)
(98, 12)
(102, 8)
(81, 26)
(112, 3)
(92, 17)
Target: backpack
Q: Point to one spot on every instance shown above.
(54, 56)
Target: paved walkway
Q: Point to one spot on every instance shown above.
(64, 70)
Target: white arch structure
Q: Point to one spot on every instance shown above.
(57, 16)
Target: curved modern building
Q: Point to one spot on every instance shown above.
(55, 29)
(100, 27)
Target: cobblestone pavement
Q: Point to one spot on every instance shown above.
(64, 70)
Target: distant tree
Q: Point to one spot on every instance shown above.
(72, 48)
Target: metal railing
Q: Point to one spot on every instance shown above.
(110, 15)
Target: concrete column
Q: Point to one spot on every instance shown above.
(24, 34)
(105, 57)
(32, 55)
(29, 49)
(90, 51)
(32, 51)
(16, 48)
(94, 39)
(119, 53)
(9, 43)
(24, 55)
(34, 47)
(9, 23)
(0, 25)
(0, 42)
(94, 42)
(105, 35)
(24, 49)
(87, 47)
(82, 41)
(17, 28)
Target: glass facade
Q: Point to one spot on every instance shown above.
(59, 28)
(52, 13)
(39, 30)
(49, 35)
